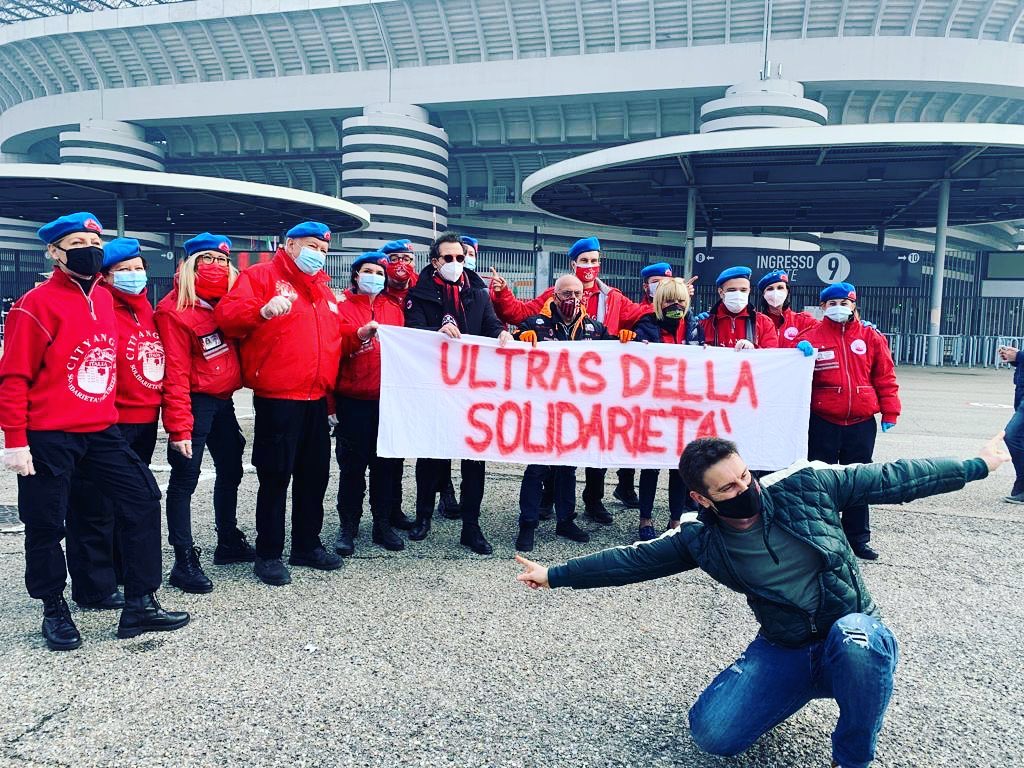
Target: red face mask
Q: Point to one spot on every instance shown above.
(399, 271)
(211, 281)
(568, 308)
(589, 273)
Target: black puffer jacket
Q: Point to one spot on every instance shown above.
(423, 308)
(804, 501)
(549, 327)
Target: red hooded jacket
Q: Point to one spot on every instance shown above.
(140, 358)
(605, 304)
(359, 374)
(724, 329)
(199, 359)
(294, 356)
(791, 324)
(59, 364)
(854, 376)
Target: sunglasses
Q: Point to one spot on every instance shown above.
(448, 258)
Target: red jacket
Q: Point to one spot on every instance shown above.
(59, 364)
(294, 356)
(791, 324)
(199, 359)
(140, 359)
(854, 376)
(359, 374)
(605, 304)
(724, 329)
(400, 294)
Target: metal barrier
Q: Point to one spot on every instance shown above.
(956, 351)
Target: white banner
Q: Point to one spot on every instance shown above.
(587, 404)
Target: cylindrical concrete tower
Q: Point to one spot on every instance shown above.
(395, 164)
(108, 142)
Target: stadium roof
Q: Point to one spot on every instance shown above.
(844, 178)
(12, 11)
(159, 202)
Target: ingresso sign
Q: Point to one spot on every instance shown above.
(860, 267)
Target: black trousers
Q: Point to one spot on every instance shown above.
(214, 427)
(433, 474)
(120, 475)
(356, 450)
(93, 543)
(852, 444)
(563, 484)
(291, 445)
(593, 487)
(679, 500)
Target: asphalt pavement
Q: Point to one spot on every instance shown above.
(437, 657)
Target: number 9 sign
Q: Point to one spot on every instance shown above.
(833, 268)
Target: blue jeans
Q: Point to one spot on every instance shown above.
(853, 665)
(1014, 439)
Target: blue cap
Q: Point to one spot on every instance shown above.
(661, 269)
(310, 229)
(371, 257)
(472, 242)
(776, 276)
(838, 291)
(68, 225)
(732, 273)
(120, 249)
(584, 245)
(208, 242)
(397, 246)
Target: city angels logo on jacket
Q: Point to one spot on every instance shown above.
(145, 356)
(92, 368)
(286, 289)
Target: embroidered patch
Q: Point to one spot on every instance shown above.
(858, 347)
(790, 333)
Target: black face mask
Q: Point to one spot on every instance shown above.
(742, 507)
(85, 261)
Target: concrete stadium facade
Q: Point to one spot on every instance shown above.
(432, 112)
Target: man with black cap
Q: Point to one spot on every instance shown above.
(57, 409)
(445, 300)
(733, 321)
(291, 341)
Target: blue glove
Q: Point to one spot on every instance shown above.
(805, 347)
(702, 317)
(887, 425)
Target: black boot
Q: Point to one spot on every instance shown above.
(233, 548)
(524, 541)
(345, 544)
(59, 630)
(113, 601)
(448, 507)
(399, 521)
(384, 534)
(568, 529)
(144, 614)
(473, 538)
(421, 527)
(626, 495)
(187, 575)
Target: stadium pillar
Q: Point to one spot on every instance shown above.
(935, 350)
(691, 223)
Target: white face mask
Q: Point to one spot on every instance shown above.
(838, 313)
(370, 284)
(470, 263)
(451, 271)
(735, 300)
(652, 289)
(775, 297)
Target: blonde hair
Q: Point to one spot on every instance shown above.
(671, 290)
(187, 296)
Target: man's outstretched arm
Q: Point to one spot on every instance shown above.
(901, 481)
(613, 567)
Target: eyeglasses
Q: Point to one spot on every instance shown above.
(448, 258)
(209, 258)
(566, 295)
(394, 258)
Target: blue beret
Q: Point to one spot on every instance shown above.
(207, 242)
(777, 276)
(310, 229)
(470, 241)
(661, 269)
(397, 246)
(839, 291)
(120, 249)
(68, 225)
(372, 257)
(732, 273)
(584, 245)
